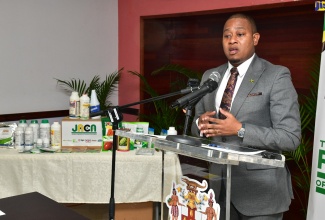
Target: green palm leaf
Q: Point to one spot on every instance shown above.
(107, 87)
(94, 84)
(73, 85)
(308, 103)
(103, 89)
(163, 117)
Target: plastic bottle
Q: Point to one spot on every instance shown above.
(22, 123)
(171, 131)
(56, 136)
(163, 132)
(45, 129)
(46, 143)
(39, 143)
(19, 138)
(94, 104)
(84, 107)
(29, 138)
(34, 124)
(74, 109)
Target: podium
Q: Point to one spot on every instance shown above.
(210, 152)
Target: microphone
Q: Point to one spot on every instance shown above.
(189, 89)
(207, 87)
(192, 85)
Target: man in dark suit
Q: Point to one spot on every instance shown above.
(262, 112)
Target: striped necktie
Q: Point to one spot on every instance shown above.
(229, 91)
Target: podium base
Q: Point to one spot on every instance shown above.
(184, 139)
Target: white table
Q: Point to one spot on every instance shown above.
(86, 177)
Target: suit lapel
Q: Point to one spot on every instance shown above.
(251, 77)
(222, 70)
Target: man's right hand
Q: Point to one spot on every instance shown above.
(206, 118)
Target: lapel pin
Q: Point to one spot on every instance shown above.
(252, 81)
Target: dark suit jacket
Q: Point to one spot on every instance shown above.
(267, 103)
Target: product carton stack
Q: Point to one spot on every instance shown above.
(81, 135)
(96, 135)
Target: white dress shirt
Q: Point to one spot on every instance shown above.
(242, 69)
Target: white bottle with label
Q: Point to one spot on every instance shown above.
(19, 138)
(29, 138)
(84, 107)
(22, 123)
(45, 129)
(56, 136)
(171, 131)
(94, 104)
(74, 109)
(35, 126)
(39, 143)
(46, 143)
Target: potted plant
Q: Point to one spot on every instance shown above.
(163, 117)
(301, 157)
(103, 89)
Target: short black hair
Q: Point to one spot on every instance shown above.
(248, 18)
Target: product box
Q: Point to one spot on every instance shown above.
(107, 126)
(140, 128)
(123, 142)
(7, 134)
(81, 135)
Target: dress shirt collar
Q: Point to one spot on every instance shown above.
(242, 68)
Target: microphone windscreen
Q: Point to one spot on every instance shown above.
(215, 76)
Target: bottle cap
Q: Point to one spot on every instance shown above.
(45, 121)
(22, 121)
(34, 121)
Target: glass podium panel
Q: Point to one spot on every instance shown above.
(192, 193)
(198, 185)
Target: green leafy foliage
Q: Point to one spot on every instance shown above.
(164, 116)
(103, 89)
(301, 156)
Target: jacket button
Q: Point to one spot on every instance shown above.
(224, 139)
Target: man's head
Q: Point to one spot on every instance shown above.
(240, 37)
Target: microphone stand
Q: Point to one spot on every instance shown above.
(184, 139)
(115, 117)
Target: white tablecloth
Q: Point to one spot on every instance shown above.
(86, 177)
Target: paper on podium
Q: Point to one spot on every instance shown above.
(233, 149)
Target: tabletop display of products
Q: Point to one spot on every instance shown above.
(76, 133)
(70, 135)
(33, 136)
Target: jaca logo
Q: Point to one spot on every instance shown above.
(84, 129)
(320, 6)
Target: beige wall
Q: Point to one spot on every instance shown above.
(45, 39)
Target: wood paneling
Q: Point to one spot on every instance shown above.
(290, 35)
